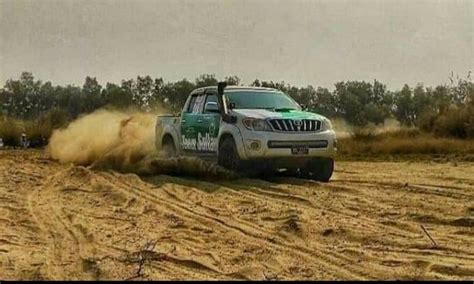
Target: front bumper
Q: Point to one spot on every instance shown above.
(279, 145)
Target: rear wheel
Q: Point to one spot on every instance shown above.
(228, 157)
(319, 169)
(169, 150)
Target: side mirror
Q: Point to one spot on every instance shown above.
(211, 107)
(229, 118)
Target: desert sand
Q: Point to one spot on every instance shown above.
(60, 221)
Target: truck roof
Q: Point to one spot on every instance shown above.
(234, 88)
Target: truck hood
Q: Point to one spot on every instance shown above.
(264, 114)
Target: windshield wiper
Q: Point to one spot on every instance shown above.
(276, 109)
(284, 109)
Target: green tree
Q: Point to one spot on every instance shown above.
(117, 96)
(91, 94)
(351, 99)
(404, 107)
(205, 80)
(256, 83)
(25, 100)
(158, 100)
(304, 96)
(232, 80)
(324, 103)
(176, 93)
(144, 92)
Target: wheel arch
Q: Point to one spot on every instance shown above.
(226, 135)
(231, 131)
(166, 138)
(168, 133)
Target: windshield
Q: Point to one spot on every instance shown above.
(261, 100)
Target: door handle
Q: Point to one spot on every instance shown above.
(183, 120)
(199, 120)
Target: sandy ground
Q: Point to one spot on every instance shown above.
(67, 222)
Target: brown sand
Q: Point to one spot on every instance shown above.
(70, 222)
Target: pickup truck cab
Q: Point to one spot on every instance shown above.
(252, 130)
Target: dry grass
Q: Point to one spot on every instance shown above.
(10, 130)
(37, 131)
(404, 143)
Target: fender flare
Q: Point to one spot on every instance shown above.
(234, 132)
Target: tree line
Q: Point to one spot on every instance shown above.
(444, 110)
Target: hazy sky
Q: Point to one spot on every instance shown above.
(300, 42)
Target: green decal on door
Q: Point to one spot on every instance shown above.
(200, 128)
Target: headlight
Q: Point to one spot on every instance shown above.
(327, 125)
(256, 124)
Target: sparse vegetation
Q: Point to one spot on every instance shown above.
(409, 143)
(36, 108)
(37, 130)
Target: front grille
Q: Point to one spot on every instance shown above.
(295, 125)
(293, 144)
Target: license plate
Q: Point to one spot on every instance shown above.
(300, 150)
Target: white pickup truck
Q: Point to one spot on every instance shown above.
(252, 130)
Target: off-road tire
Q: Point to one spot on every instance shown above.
(169, 150)
(320, 169)
(228, 157)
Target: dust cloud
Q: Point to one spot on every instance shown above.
(115, 136)
(346, 130)
(125, 142)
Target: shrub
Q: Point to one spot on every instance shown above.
(426, 120)
(453, 123)
(364, 133)
(403, 142)
(10, 131)
(37, 131)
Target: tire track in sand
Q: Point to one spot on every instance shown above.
(330, 263)
(68, 247)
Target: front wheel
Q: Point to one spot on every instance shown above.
(228, 157)
(319, 169)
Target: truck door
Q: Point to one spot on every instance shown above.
(190, 123)
(210, 126)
